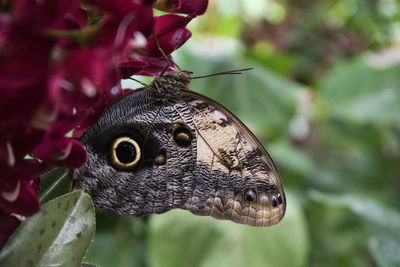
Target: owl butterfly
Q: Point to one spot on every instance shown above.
(163, 147)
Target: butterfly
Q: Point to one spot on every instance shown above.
(163, 147)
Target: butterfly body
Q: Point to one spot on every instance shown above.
(188, 151)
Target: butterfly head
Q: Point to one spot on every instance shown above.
(172, 82)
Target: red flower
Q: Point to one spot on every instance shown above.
(39, 15)
(146, 66)
(22, 199)
(18, 197)
(59, 68)
(120, 8)
(170, 31)
(22, 76)
(8, 224)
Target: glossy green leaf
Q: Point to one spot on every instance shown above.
(54, 183)
(178, 238)
(59, 235)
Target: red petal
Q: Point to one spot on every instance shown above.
(192, 7)
(62, 151)
(122, 7)
(171, 33)
(155, 66)
(21, 170)
(76, 157)
(8, 224)
(170, 22)
(41, 14)
(130, 67)
(22, 79)
(25, 203)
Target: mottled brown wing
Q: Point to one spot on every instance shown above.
(247, 187)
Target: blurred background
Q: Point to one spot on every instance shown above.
(324, 99)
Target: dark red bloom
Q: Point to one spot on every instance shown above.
(120, 8)
(61, 151)
(131, 67)
(19, 186)
(22, 199)
(19, 199)
(39, 15)
(122, 20)
(60, 65)
(8, 224)
(23, 75)
(87, 75)
(171, 32)
(146, 66)
(75, 19)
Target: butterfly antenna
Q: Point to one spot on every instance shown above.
(239, 71)
(142, 83)
(170, 62)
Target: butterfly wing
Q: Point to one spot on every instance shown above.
(162, 179)
(213, 165)
(236, 179)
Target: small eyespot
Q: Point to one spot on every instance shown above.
(276, 200)
(125, 152)
(161, 158)
(182, 135)
(279, 199)
(250, 196)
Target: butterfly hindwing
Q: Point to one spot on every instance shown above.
(238, 165)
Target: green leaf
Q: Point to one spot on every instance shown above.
(385, 249)
(265, 54)
(54, 183)
(59, 235)
(179, 238)
(364, 206)
(291, 159)
(368, 224)
(355, 91)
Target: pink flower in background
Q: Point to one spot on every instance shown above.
(61, 62)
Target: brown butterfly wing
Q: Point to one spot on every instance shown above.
(244, 184)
